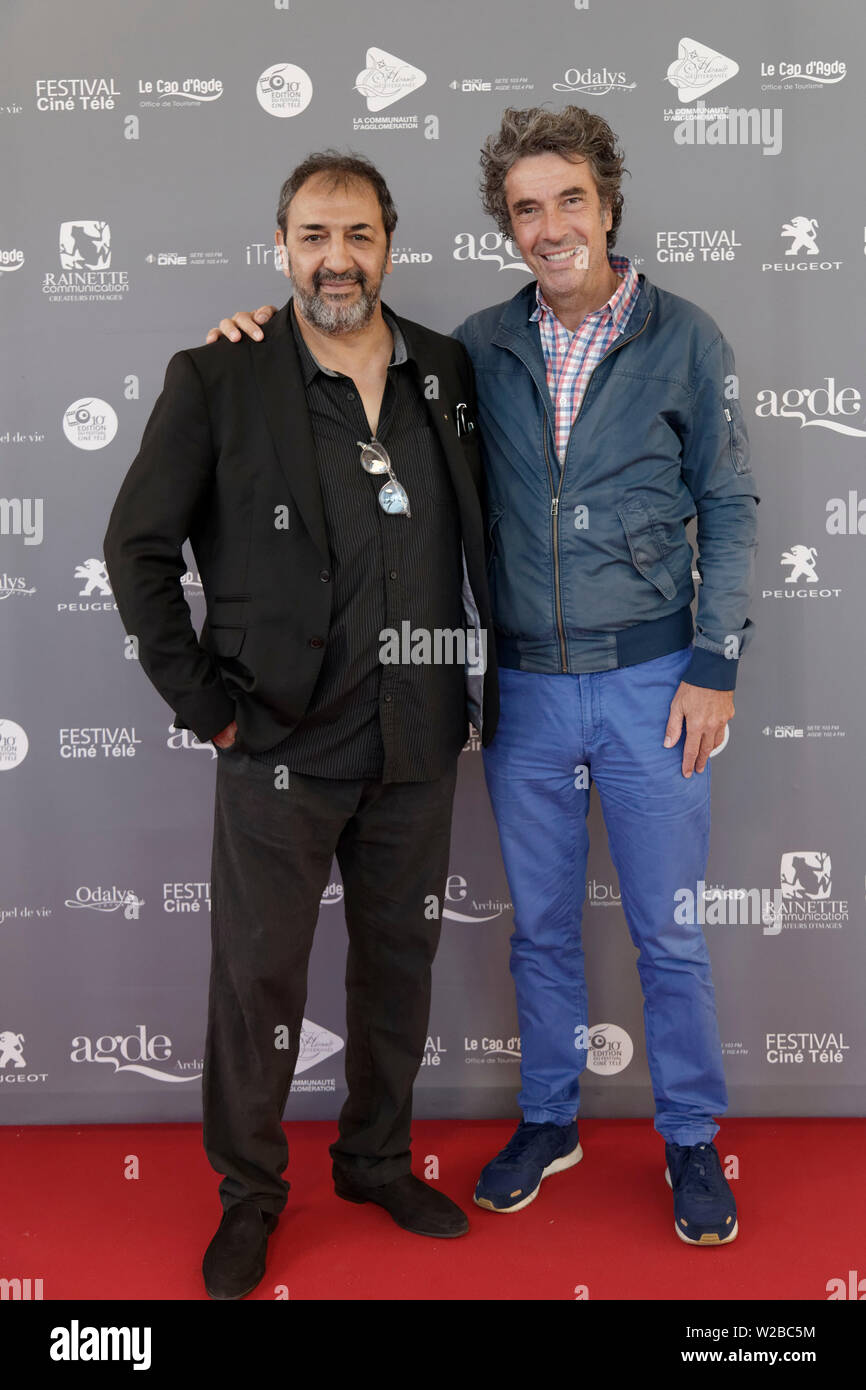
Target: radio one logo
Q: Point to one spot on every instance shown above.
(284, 90)
(698, 69)
(492, 247)
(90, 423)
(134, 1052)
(11, 260)
(14, 744)
(610, 1049)
(386, 79)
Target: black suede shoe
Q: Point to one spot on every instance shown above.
(234, 1261)
(413, 1205)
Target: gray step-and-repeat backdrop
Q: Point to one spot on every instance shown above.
(143, 147)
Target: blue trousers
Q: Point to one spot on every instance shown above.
(552, 728)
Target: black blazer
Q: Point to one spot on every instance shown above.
(226, 457)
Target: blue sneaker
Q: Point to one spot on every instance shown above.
(705, 1212)
(511, 1180)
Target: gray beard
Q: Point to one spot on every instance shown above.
(338, 318)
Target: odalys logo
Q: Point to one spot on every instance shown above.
(107, 900)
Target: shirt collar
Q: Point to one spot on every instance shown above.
(310, 365)
(617, 308)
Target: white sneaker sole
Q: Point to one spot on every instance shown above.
(558, 1165)
(708, 1241)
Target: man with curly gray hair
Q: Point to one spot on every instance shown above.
(608, 419)
(605, 427)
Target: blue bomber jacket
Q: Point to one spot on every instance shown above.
(590, 566)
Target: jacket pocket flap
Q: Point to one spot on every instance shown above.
(226, 641)
(637, 522)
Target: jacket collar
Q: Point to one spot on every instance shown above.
(515, 326)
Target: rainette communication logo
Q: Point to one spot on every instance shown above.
(14, 744)
(90, 423)
(136, 1052)
(594, 82)
(801, 235)
(491, 247)
(801, 561)
(807, 892)
(10, 260)
(283, 90)
(85, 274)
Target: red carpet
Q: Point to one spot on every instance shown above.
(71, 1218)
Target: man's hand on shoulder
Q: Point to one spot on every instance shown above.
(242, 322)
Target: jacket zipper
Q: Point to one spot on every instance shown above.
(554, 497)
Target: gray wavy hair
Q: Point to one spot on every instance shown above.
(573, 133)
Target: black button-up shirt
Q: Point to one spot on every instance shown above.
(369, 718)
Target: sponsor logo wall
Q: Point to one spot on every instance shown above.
(743, 147)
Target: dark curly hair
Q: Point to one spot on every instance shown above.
(574, 133)
(341, 169)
